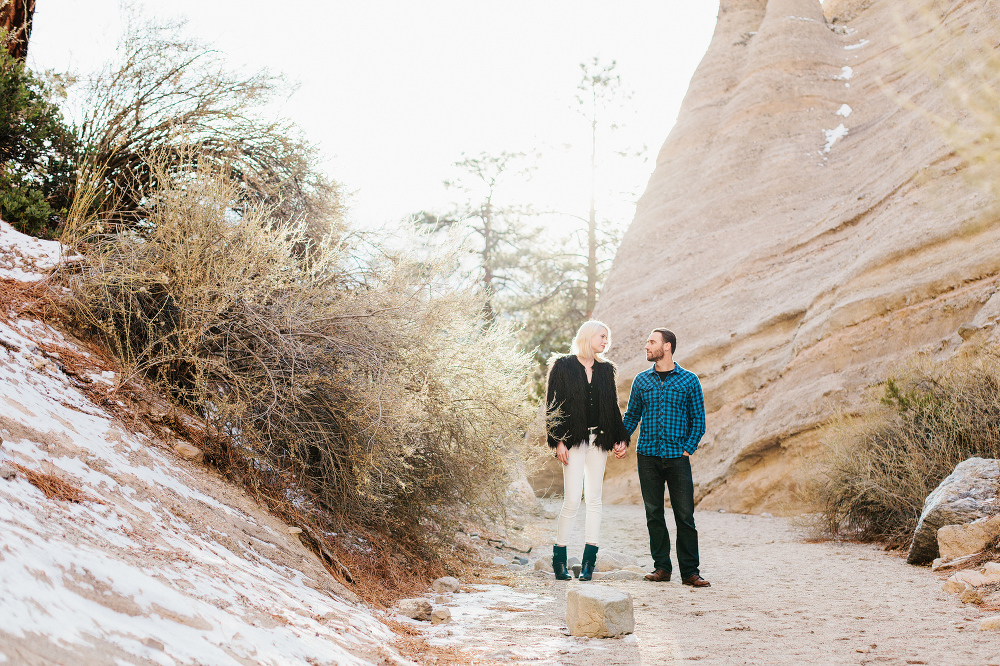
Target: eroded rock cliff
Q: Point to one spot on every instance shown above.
(807, 226)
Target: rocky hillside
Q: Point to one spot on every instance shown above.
(117, 549)
(807, 225)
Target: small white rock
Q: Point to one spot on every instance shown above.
(192, 453)
(446, 584)
(990, 623)
(417, 609)
(623, 574)
(543, 564)
(964, 580)
(611, 561)
(955, 586)
(500, 560)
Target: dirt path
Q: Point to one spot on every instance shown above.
(775, 599)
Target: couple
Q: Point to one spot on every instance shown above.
(585, 423)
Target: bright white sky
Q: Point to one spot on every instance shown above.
(394, 91)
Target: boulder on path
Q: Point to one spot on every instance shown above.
(446, 584)
(543, 564)
(440, 615)
(956, 541)
(968, 493)
(610, 561)
(417, 609)
(596, 611)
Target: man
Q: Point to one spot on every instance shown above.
(669, 402)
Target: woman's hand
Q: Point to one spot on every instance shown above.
(621, 449)
(562, 453)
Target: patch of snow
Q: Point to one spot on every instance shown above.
(844, 111)
(839, 132)
(846, 74)
(26, 258)
(106, 377)
(851, 47)
(152, 564)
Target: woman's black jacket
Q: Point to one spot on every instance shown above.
(566, 404)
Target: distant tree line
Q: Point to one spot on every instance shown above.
(532, 271)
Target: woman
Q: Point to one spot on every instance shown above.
(584, 423)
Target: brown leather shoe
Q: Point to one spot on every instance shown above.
(658, 576)
(694, 580)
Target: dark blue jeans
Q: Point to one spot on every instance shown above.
(675, 474)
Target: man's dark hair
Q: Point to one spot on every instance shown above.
(668, 337)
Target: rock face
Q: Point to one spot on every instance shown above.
(599, 612)
(804, 230)
(967, 494)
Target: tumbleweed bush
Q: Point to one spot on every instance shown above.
(881, 465)
(371, 384)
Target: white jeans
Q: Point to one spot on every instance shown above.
(584, 474)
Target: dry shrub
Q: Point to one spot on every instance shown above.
(164, 92)
(368, 392)
(882, 464)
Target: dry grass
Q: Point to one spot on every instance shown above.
(882, 464)
(412, 645)
(54, 487)
(28, 299)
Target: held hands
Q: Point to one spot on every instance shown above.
(562, 453)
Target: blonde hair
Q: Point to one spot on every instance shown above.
(581, 343)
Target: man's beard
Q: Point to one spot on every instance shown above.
(654, 355)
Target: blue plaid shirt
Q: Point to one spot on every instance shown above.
(672, 412)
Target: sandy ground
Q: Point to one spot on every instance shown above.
(775, 599)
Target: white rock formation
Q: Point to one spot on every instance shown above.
(794, 277)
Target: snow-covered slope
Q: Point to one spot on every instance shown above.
(165, 563)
